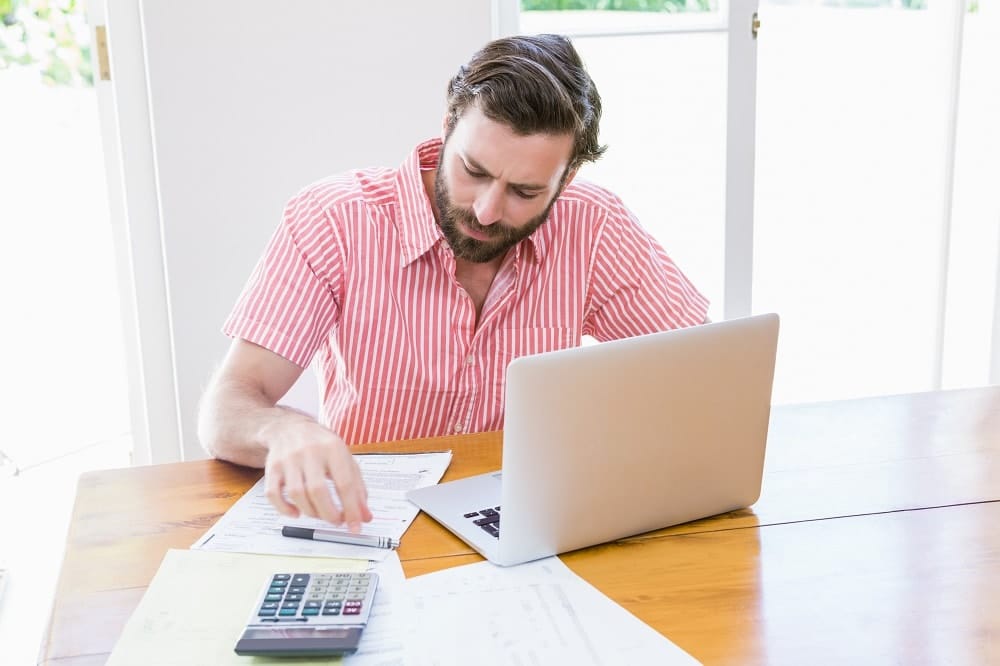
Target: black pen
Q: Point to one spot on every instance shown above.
(345, 538)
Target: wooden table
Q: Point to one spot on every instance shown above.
(875, 540)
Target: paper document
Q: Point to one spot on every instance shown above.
(198, 603)
(535, 613)
(253, 525)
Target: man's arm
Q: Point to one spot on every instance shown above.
(241, 422)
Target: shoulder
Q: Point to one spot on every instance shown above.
(371, 186)
(582, 201)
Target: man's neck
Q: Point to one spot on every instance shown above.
(477, 279)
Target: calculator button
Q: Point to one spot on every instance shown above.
(273, 597)
(471, 515)
(281, 577)
(331, 611)
(310, 611)
(296, 589)
(352, 610)
(269, 604)
(312, 604)
(293, 597)
(300, 579)
(290, 604)
(267, 612)
(286, 612)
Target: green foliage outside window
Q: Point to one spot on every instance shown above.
(50, 36)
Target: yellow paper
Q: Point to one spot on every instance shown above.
(198, 604)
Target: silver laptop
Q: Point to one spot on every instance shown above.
(619, 438)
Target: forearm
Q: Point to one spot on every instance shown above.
(237, 422)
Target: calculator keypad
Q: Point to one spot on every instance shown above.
(320, 598)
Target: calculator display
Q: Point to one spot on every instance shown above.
(296, 632)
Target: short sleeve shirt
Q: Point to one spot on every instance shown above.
(359, 280)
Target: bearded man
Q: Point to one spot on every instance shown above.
(411, 289)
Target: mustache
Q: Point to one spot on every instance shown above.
(468, 218)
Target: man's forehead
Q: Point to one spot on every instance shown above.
(498, 149)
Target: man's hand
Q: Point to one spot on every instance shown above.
(241, 422)
(301, 457)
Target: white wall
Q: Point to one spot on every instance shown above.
(250, 101)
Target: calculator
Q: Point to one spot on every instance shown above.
(302, 614)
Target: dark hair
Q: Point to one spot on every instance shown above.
(534, 84)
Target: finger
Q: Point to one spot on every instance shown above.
(351, 489)
(296, 490)
(366, 515)
(273, 484)
(320, 496)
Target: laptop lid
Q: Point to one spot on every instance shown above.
(619, 438)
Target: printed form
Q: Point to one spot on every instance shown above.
(535, 613)
(253, 525)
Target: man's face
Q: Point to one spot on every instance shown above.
(494, 187)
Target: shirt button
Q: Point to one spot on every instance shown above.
(470, 359)
(458, 427)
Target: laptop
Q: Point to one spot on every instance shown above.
(611, 440)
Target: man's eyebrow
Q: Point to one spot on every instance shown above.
(519, 186)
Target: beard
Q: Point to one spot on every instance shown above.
(502, 236)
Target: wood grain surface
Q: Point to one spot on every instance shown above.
(874, 541)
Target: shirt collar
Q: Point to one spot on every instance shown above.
(418, 230)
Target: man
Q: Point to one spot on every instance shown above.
(412, 289)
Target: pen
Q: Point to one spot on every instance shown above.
(339, 537)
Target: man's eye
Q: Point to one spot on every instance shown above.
(475, 174)
(525, 195)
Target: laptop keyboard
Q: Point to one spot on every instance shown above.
(488, 519)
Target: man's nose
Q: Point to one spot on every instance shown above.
(488, 206)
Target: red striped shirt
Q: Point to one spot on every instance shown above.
(359, 279)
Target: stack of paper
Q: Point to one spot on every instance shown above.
(253, 525)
